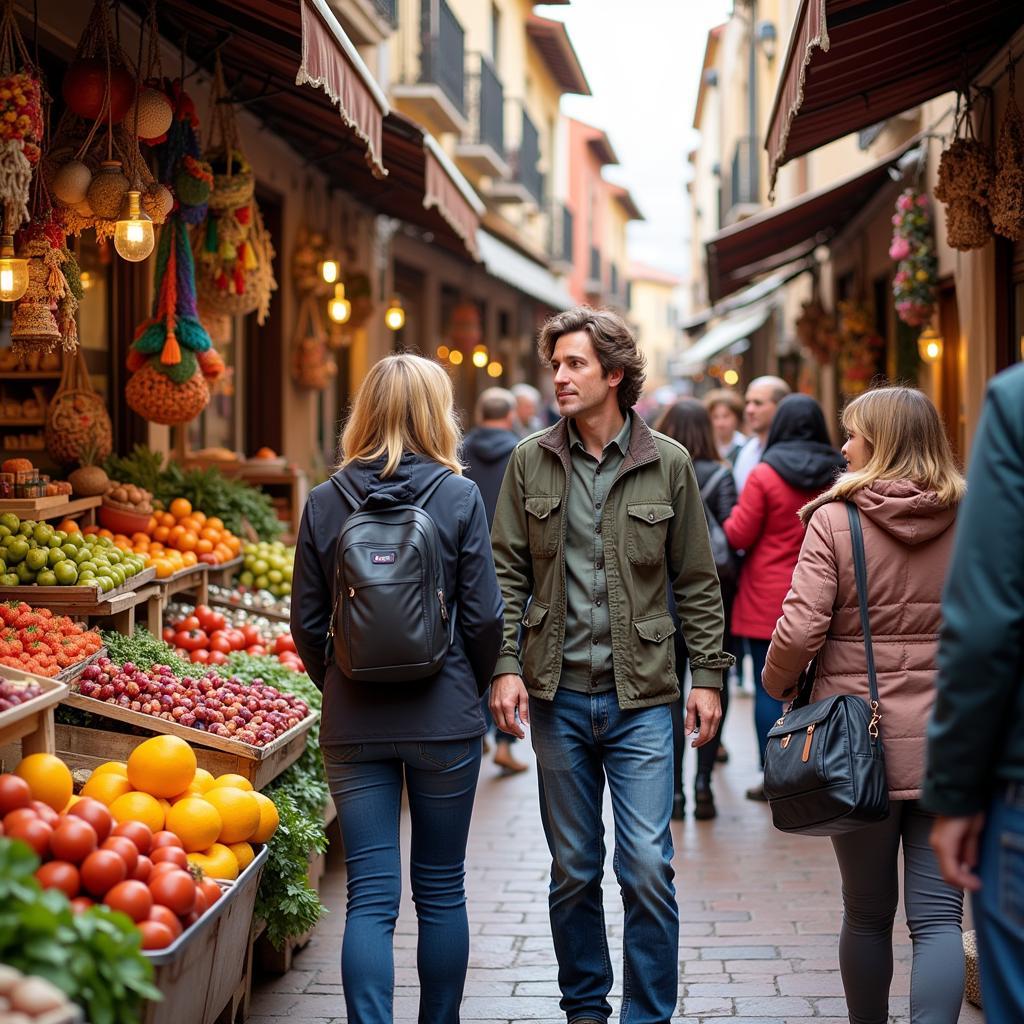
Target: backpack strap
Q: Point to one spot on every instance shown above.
(345, 492)
(432, 487)
(713, 481)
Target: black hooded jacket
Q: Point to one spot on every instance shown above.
(486, 451)
(442, 707)
(798, 446)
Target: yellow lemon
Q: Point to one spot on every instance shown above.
(233, 780)
(106, 787)
(239, 812)
(269, 819)
(195, 822)
(139, 807)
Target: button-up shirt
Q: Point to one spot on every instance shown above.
(587, 653)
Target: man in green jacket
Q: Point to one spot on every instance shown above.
(596, 518)
(975, 778)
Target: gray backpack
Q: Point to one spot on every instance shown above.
(390, 622)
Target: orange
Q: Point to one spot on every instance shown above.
(140, 538)
(199, 517)
(163, 567)
(210, 534)
(223, 552)
(152, 524)
(231, 779)
(244, 854)
(189, 558)
(166, 519)
(176, 532)
(139, 807)
(195, 822)
(69, 526)
(49, 778)
(162, 766)
(106, 533)
(91, 529)
(234, 545)
(203, 779)
(215, 523)
(217, 862)
(161, 533)
(117, 767)
(239, 811)
(269, 819)
(187, 541)
(203, 546)
(106, 787)
(180, 507)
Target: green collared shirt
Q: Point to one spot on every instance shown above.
(587, 653)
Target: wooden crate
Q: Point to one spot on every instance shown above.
(86, 748)
(75, 507)
(31, 722)
(77, 599)
(194, 580)
(223, 575)
(23, 507)
(203, 973)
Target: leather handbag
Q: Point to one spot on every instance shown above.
(824, 769)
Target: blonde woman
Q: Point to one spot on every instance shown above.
(906, 486)
(400, 448)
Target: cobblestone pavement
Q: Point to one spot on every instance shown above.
(759, 911)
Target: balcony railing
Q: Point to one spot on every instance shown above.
(526, 158)
(388, 10)
(443, 51)
(594, 275)
(613, 280)
(743, 187)
(560, 237)
(486, 103)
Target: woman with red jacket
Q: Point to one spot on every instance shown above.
(797, 464)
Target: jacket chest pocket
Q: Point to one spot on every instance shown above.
(543, 524)
(647, 531)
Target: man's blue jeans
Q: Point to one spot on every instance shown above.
(999, 907)
(581, 740)
(366, 784)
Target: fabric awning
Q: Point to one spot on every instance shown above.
(447, 191)
(733, 332)
(504, 262)
(854, 63)
(774, 237)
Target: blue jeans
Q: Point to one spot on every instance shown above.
(366, 784)
(767, 710)
(580, 741)
(999, 907)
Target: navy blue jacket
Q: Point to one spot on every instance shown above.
(441, 707)
(486, 451)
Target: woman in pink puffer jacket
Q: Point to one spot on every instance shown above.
(903, 480)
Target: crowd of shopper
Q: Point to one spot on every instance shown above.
(625, 572)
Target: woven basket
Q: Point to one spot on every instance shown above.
(155, 397)
(221, 303)
(972, 987)
(236, 186)
(77, 417)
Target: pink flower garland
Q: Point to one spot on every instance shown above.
(913, 247)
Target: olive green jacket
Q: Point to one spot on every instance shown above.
(654, 530)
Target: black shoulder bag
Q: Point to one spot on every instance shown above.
(824, 767)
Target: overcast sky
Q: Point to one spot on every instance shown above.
(643, 60)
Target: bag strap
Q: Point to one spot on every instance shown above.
(345, 492)
(712, 482)
(861, 573)
(427, 494)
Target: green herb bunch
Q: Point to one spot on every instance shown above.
(93, 957)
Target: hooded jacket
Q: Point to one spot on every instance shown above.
(486, 451)
(908, 542)
(441, 707)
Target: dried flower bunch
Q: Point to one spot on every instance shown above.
(816, 330)
(913, 247)
(966, 174)
(1006, 200)
(860, 348)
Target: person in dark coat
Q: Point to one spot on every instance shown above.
(797, 464)
(401, 440)
(975, 776)
(689, 423)
(486, 450)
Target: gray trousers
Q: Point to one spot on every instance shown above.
(868, 863)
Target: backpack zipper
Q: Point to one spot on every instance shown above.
(806, 755)
(444, 607)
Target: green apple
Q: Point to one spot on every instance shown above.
(9, 579)
(36, 559)
(66, 572)
(47, 578)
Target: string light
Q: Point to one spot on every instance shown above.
(443, 351)
(13, 272)
(455, 357)
(495, 369)
(133, 234)
(394, 315)
(330, 271)
(731, 377)
(339, 309)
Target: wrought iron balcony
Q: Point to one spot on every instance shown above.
(741, 191)
(525, 182)
(483, 145)
(560, 236)
(594, 285)
(388, 10)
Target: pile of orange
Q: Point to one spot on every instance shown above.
(179, 538)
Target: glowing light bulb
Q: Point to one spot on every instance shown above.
(929, 345)
(455, 357)
(480, 359)
(495, 369)
(394, 315)
(330, 270)
(443, 352)
(133, 235)
(339, 309)
(13, 272)
(731, 377)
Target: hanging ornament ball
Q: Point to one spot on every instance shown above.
(107, 190)
(158, 201)
(154, 113)
(71, 182)
(85, 84)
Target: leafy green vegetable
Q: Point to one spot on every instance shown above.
(145, 650)
(238, 504)
(93, 957)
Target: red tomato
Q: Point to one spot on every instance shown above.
(256, 649)
(189, 622)
(46, 812)
(155, 934)
(165, 838)
(14, 793)
(168, 634)
(211, 890)
(18, 817)
(131, 898)
(96, 814)
(220, 641)
(237, 639)
(35, 832)
(209, 619)
(80, 903)
(138, 832)
(166, 916)
(59, 874)
(143, 868)
(102, 870)
(209, 559)
(202, 904)
(191, 639)
(171, 855)
(252, 635)
(73, 839)
(124, 847)
(161, 868)
(174, 890)
(284, 643)
(200, 657)
(217, 658)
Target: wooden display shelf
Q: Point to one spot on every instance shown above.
(74, 507)
(22, 423)
(31, 722)
(194, 578)
(87, 748)
(29, 375)
(267, 613)
(78, 599)
(223, 575)
(21, 506)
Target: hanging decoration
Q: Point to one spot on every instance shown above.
(913, 247)
(817, 332)
(233, 248)
(966, 175)
(21, 122)
(312, 365)
(1007, 197)
(76, 418)
(860, 349)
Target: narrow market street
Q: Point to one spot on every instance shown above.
(759, 918)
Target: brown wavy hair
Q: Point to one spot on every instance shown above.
(613, 342)
(688, 423)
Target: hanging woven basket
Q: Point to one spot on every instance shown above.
(77, 417)
(157, 398)
(234, 184)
